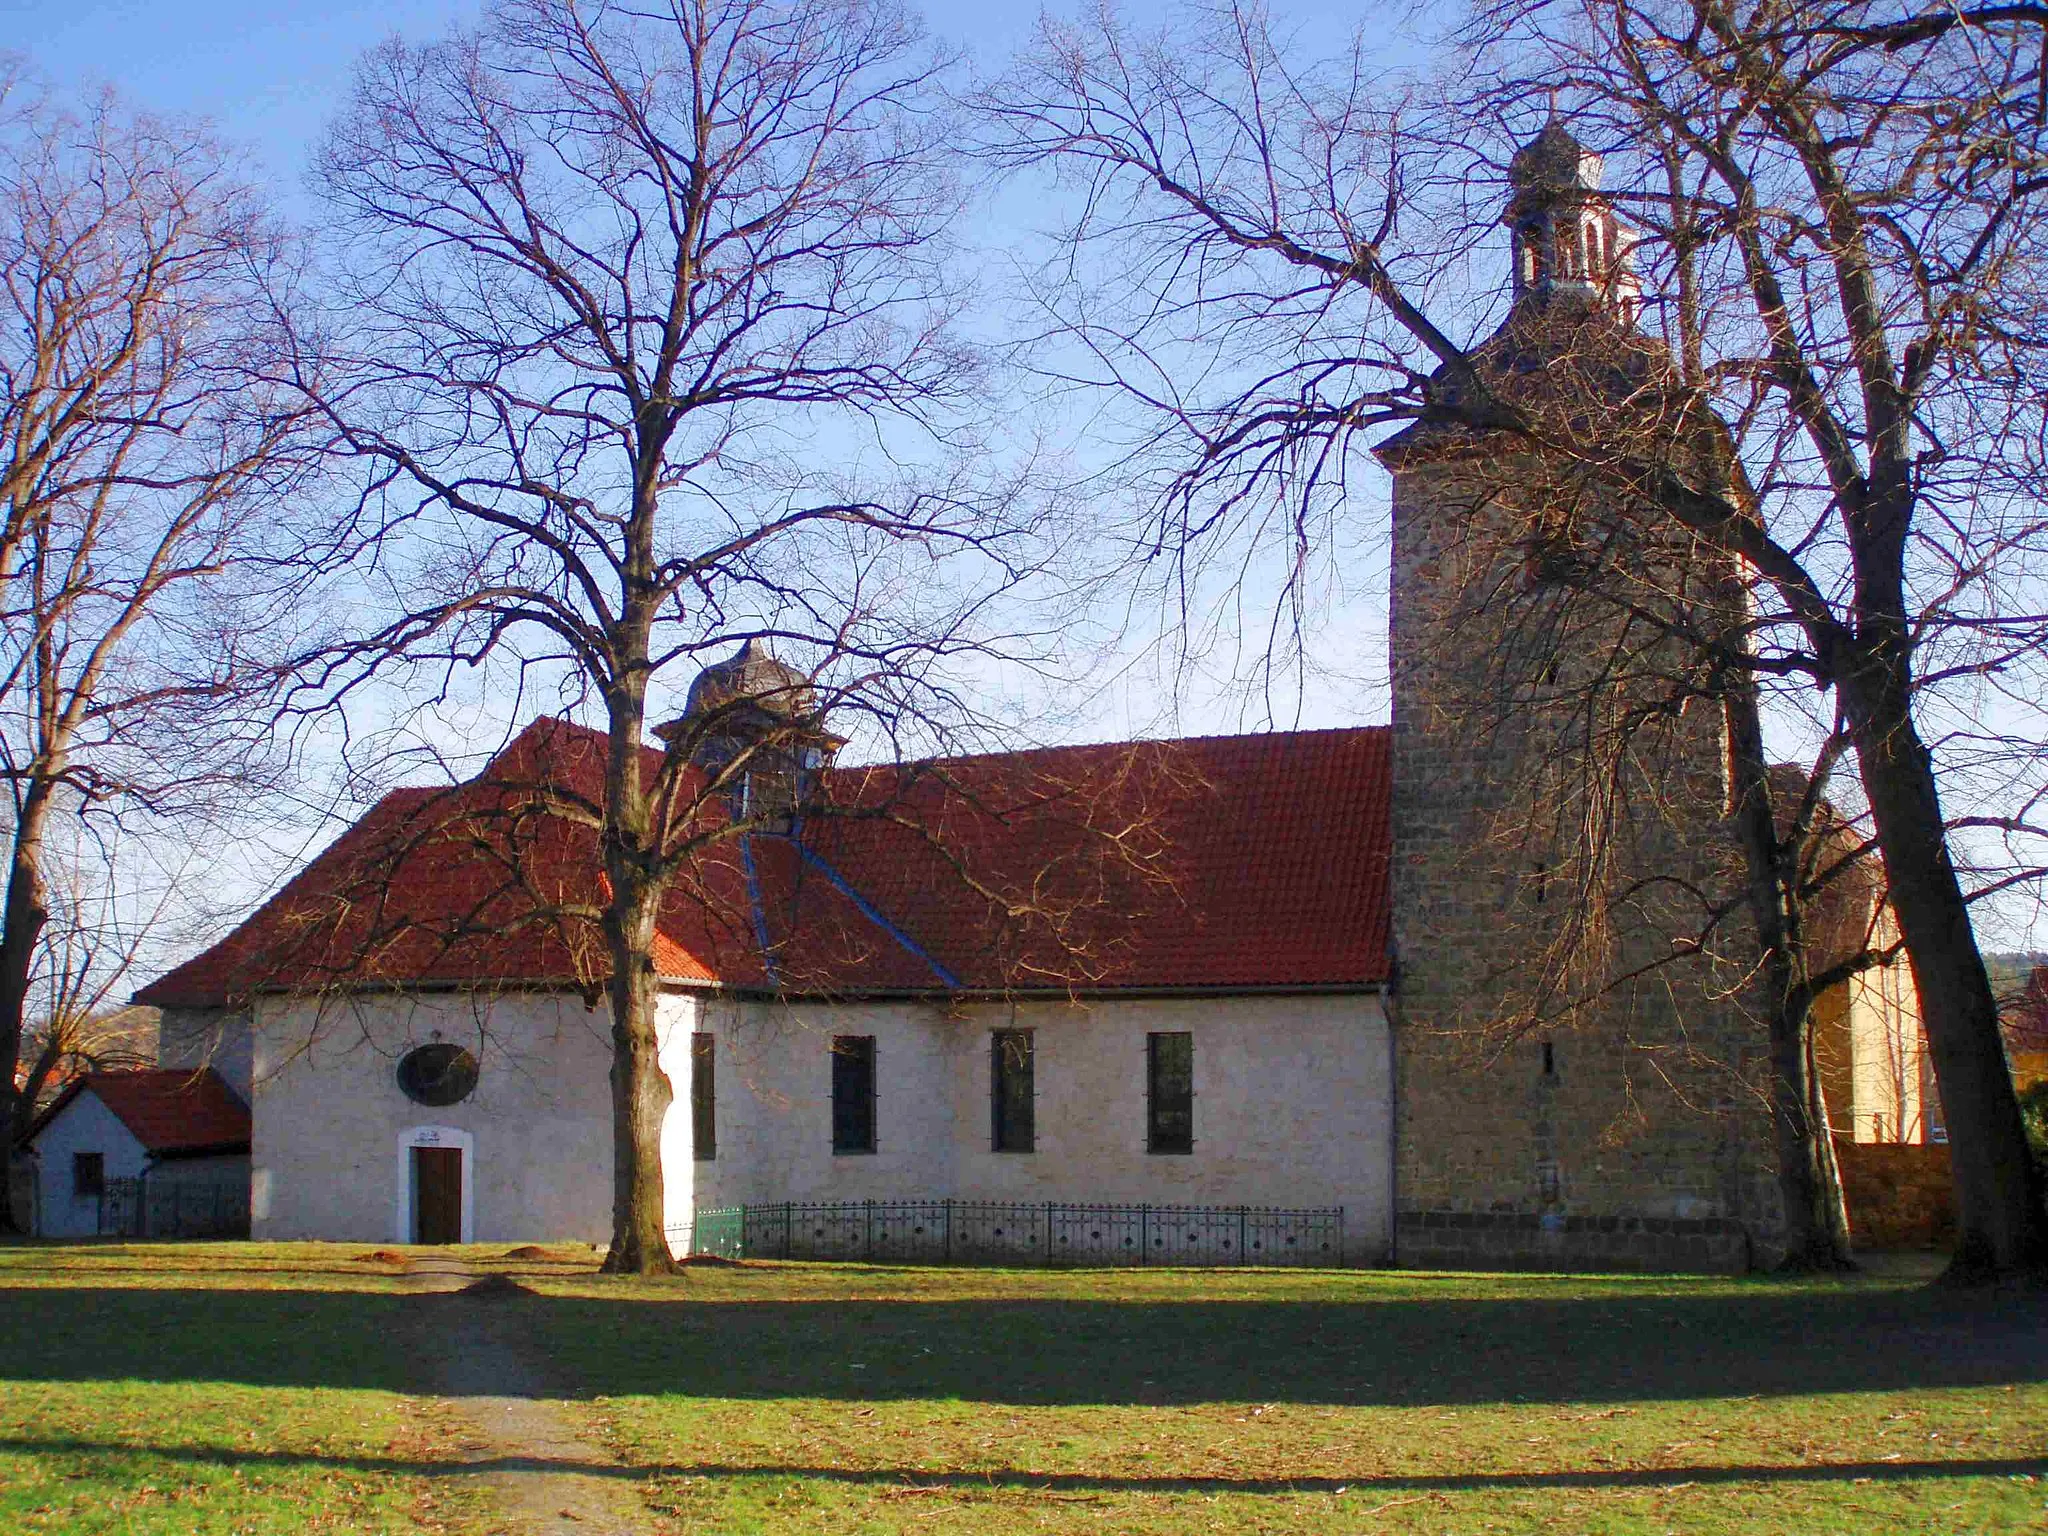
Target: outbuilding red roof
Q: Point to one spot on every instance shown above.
(1224, 862)
(171, 1111)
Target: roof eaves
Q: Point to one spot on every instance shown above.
(204, 1149)
(1095, 993)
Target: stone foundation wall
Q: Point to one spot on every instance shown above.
(1485, 1240)
(1900, 1195)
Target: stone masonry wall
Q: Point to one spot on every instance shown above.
(1899, 1194)
(1635, 1137)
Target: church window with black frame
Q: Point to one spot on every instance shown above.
(1012, 1090)
(853, 1093)
(1170, 1093)
(703, 1096)
(437, 1075)
(88, 1175)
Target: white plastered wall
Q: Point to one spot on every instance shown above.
(1292, 1105)
(332, 1130)
(207, 1037)
(86, 1125)
(1292, 1109)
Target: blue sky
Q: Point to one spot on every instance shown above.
(270, 74)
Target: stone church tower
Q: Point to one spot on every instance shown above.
(1579, 1072)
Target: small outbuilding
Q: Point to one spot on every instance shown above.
(157, 1152)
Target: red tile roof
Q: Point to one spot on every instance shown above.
(171, 1111)
(1225, 862)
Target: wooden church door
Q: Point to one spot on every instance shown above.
(437, 1194)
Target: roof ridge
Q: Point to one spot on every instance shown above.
(1137, 741)
(1041, 749)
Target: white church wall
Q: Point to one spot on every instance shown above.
(676, 1017)
(1291, 1109)
(1292, 1105)
(332, 1129)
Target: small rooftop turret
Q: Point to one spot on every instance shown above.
(1567, 242)
(751, 680)
(756, 711)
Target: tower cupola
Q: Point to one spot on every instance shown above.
(1567, 242)
(756, 714)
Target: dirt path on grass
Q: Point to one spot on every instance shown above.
(541, 1477)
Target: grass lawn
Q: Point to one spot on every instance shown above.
(806, 1398)
(209, 1389)
(263, 1388)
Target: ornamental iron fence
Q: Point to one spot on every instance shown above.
(174, 1208)
(1000, 1232)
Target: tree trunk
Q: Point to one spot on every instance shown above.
(21, 929)
(1841, 1237)
(1809, 1183)
(2002, 1227)
(641, 1093)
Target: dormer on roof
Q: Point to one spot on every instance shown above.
(759, 717)
(1568, 244)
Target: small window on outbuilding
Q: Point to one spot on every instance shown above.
(88, 1175)
(1012, 1086)
(703, 1096)
(853, 1093)
(1170, 1093)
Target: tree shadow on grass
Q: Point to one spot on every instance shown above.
(935, 1480)
(1404, 1350)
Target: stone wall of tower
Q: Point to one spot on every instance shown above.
(1632, 1135)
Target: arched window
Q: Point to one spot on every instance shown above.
(1530, 236)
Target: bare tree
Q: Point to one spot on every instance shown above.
(1843, 228)
(151, 450)
(109, 912)
(624, 279)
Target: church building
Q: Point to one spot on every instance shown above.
(1383, 971)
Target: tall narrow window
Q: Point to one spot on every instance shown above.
(853, 1093)
(704, 1096)
(1170, 1093)
(88, 1175)
(1010, 1090)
